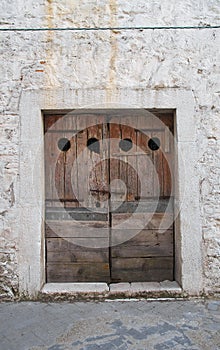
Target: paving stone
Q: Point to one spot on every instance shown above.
(213, 306)
(143, 324)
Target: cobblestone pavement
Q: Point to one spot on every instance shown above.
(110, 325)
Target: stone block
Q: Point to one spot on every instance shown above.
(145, 287)
(170, 286)
(120, 287)
(73, 288)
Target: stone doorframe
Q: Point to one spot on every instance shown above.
(188, 234)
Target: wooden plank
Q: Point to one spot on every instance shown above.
(168, 175)
(61, 250)
(70, 122)
(58, 186)
(145, 120)
(163, 158)
(151, 236)
(168, 120)
(104, 164)
(142, 269)
(98, 174)
(168, 167)
(84, 120)
(142, 220)
(167, 140)
(157, 156)
(147, 243)
(70, 229)
(128, 132)
(78, 272)
(76, 214)
(78, 256)
(153, 121)
(94, 172)
(145, 167)
(82, 167)
(146, 206)
(52, 122)
(87, 243)
(75, 224)
(123, 163)
(60, 122)
(117, 191)
(62, 245)
(54, 168)
(70, 174)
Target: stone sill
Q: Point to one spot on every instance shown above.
(114, 289)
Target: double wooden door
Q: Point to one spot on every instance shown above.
(108, 188)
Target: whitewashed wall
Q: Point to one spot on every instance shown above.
(143, 59)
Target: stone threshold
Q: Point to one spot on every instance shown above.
(114, 289)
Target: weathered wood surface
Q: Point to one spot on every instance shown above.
(62, 250)
(54, 168)
(150, 205)
(78, 272)
(142, 220)
(71, 193)
(147, 243)
(72, 228)
(87, 242)
(79, 180)
(79, 214)
(144, 167)
(82, 229)
(142, 269)
(53, 123)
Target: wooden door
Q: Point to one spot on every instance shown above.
(108, 198)
(142, 217)
(77, 198)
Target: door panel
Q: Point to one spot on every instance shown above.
(146, 244)
(78, 272)
(141, 226)
(77, 215)
(142, 269)
(109, 213)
